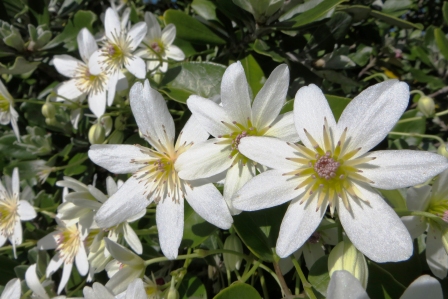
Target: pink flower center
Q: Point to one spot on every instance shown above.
(237, 140)
(326, 167)
(156, 47)
(445, 216)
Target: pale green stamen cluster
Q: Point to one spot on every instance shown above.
(87, 83)
(8, 213)
(69, 242)
(4, 103)
(440, 209)
(116, 52)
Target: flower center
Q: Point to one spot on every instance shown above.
(86, 82)
(157, 46)
(438, 208)
(4, 104)
(116, 52)
(68, 242)
(8, 214)
(326, 167)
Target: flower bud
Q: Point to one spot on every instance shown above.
(51, 121)
(120, 123)
(233, 261)
(97, 134)
(426, 106)
(442, 150)
(106, 122)
(173, 294)
(48, 110)
(345, 256)
(116, 137)
(320, 63)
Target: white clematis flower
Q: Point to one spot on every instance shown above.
(333, 168)
(233, 122)
(157, 46)
(155, 178)
(344, 285)
(117, 51)
(12, 211)
(135, 290)
(83, 82)
(69, 244)
(7, 112)
(12, 290)
(435, 202)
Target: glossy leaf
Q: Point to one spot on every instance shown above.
(20, 66)
(319, 276)
(442, 42)
(254, 74)
(238, 290)
(196, 229)
(192, 287)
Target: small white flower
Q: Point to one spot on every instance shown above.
(117, 51)
(233, 122)
(69, 244)
(12, 211)
(7, 112)
(435, 202)
(344, 285)
(333, 168)
(157, 46)
(83, 82)
(155, 177)
(135, 290)
(12, 290)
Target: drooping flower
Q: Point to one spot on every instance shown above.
(333, 168)
(83, 82)
(157, 46)
(234, 121)
(12, 211)
(155, 177)
(434, 201)
(7, 112)
(69, 244)
(117, 51)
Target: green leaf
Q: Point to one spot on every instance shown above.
(254, 73)
(415, 126)
(259, 230)
(68, 36)
(337, 104)
(199, 78)
(238, 290)
(74, 165)
(190, 29)
(382, 284)
(10, 149)
(442, 42)
(20, 66)
(261, 47)
(7, 269)
(204, 8)
(319, 276)
(311, 15)
(192, 288)
(434, 82)
(395, 197)
(445, 12)
(362, 55)
(196, 229)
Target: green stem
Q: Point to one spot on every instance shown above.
(267, 269)
(263, 284)
(419, 135)
(147, 231)
(402, 213)
(305, 283)
(76, 289)
(417, 91)
(24, 244)
(376, 75)
(285, 290)
(251, 271)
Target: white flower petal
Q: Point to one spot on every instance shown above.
(95, 61)
(2, 240)
(117, 158)
(17, 237)
(235, 94)
(132, 239)
(69, 90)
(136, 66)
(423, 287)
(136, 35)
(121, 280)
(168, 34)
(136, 290)
(112, 26)
(14, 125)
(111, 186)
(371, 115)
(203, 160)
(15, 182)
(174, 53)
(12, 289)
(192, 132)
(310, 109)
(122, 254)
(375, 228)
(236, 177)
(311, 253)
(66, 65)
(393, 169)
(436, 255)
(72, 184)
(112, 87)
(153, 25)
(209, 114)
(415, 225)
(151, 113)
(283, 128)
(299, 223)
(418, 199)
(97, 103)
(268, 151)
(86, 44)
(170, 225)
(54, 264)
(82, 263)
(128, 200)
(271, 97)
(26, 211)
(34, 284)
(343, 285)
(66, 271)
(48, 242)
(208, 202)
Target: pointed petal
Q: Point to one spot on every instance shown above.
(168, 34)
(47, 242)
(310, 109)
(86, 44)
(128, 200)
(371, 115)
(121, 280)
(203, 160)
(95, 62)
(111, 186)
(268, 151)
(271, 98)
(66, 271)
(393, 169)
(389, 241)
(81, 260)
(132, 239)
(208, 202)
(112, 87)
(136, 34)
(97, 103)
(117, 158)
(136, 290)
(54, 264)
(69, 90)
(192, 132)
(136, 66)
(12, 289)
(112, 26)
(15, 181)
(151, 113)
(66, 65)
(283, 128)
(418, 199)
(236, 177)
(268, 189)
(436, 255)
(170, 224)
(17, 237)
(423, 287)
(415, 225)
(343, 285)
(26, 211)
(34, 284)
(174, 53)
(154, 30)
(210, 115)
(235, 94)
(123, 255)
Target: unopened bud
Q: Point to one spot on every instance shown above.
(173, 294)
(120, 123)
(320, 63)
(426, 106)
(97, 134)
(48, 110)
(106, 122)
(233, 261)
(51, 121)
(442, 150)
(116, 137)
